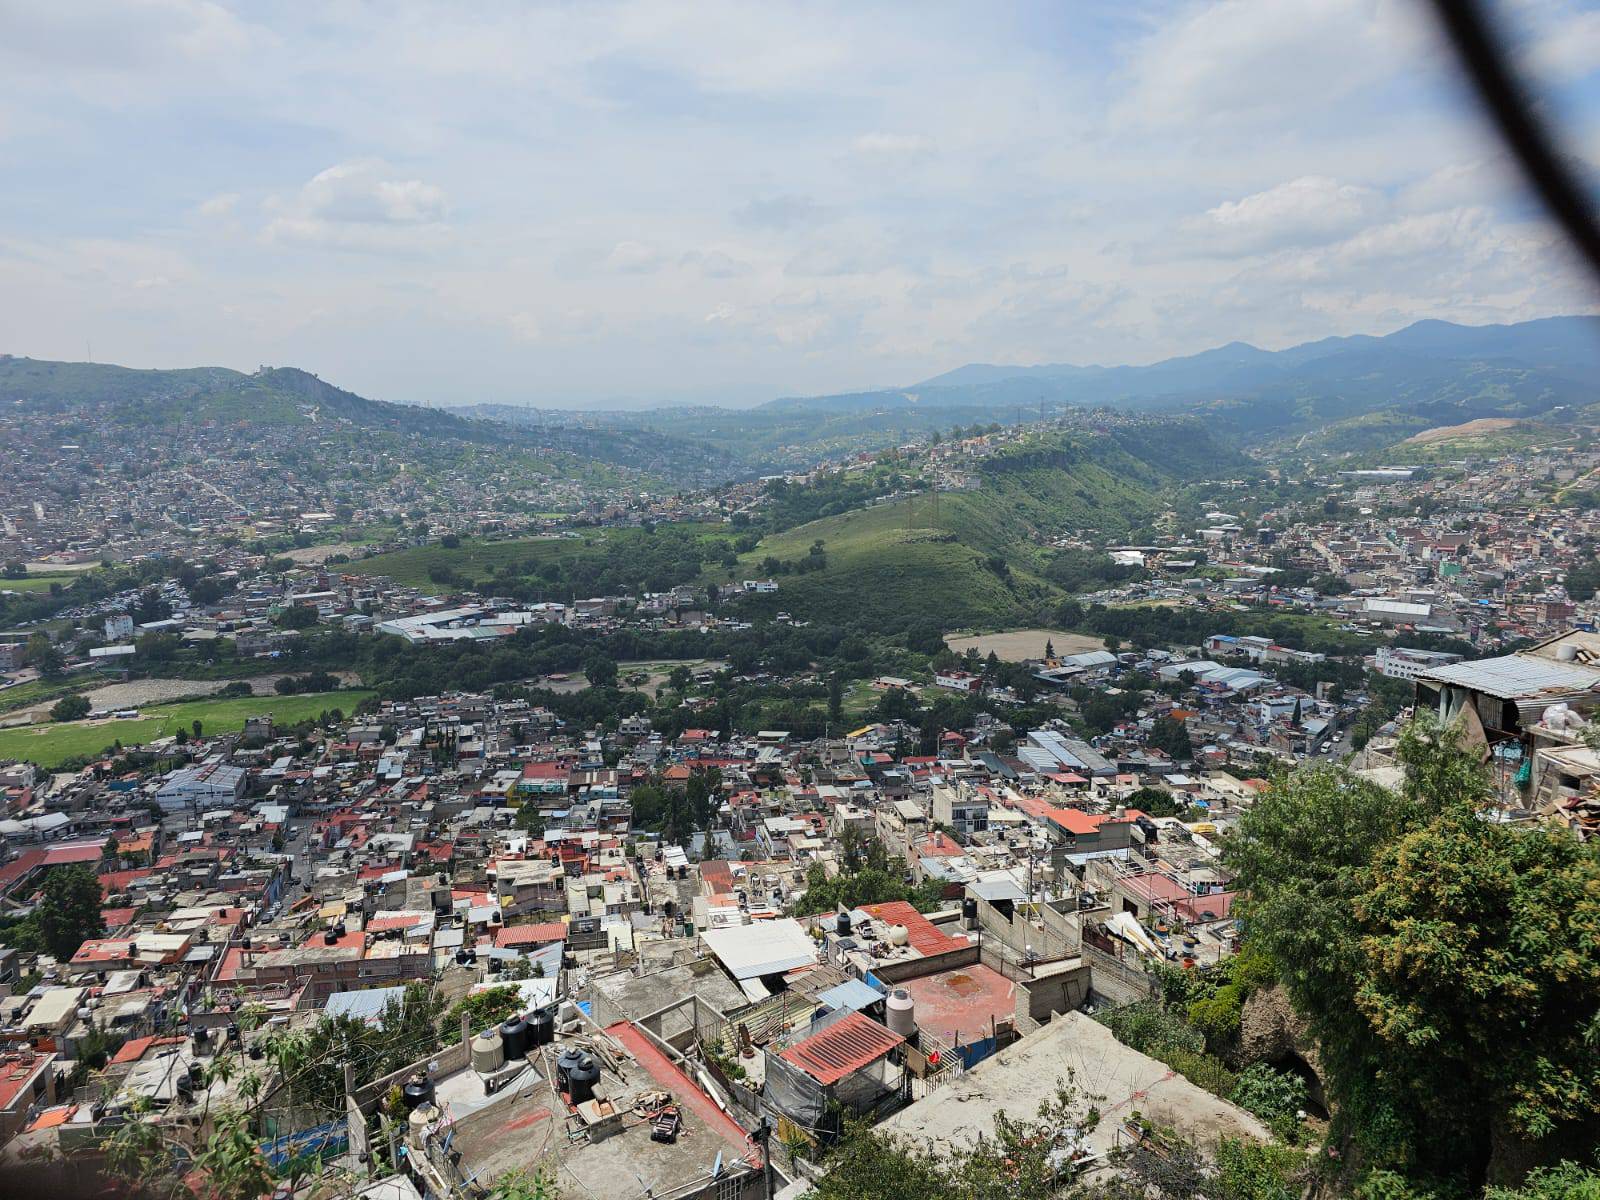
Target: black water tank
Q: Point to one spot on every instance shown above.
(541, 1028)
(567, 1062)
(514, 1037)
(969, 909)
(582, 1078)
(417, 1092)
(842, 925)
(197, 1074)
(330, 938)
(461, 958)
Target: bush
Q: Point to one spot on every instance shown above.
(1270, 1094)
(1219, 1015)
(69, 708)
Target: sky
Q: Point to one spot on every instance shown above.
(592, 204)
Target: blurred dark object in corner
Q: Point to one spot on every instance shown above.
(1511, 105)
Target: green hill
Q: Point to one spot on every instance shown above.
(979, 558)
(283, 396)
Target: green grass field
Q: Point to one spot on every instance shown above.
(37, 582)
(51, 744)
(473, 558)
(38, 690)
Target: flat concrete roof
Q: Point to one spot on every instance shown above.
(1108, 1075)
(957, 1005)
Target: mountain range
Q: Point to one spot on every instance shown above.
(1334, 395)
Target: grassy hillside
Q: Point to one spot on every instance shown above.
(980, 561)
(474, 558)
(600, 561)
(50, 745)
(889, 566)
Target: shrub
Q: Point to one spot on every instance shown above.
(69, 708)
(1269, 1093)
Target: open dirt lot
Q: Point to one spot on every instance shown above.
(1021, 644)
(1443, 433)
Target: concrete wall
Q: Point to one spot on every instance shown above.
(915, 968)
(1058, 988)
(1115, 981)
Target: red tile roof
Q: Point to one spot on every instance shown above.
(924, 936)
(844, 1047)
(530, 935)
(83, 852)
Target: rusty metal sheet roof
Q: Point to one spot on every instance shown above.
(842, 1048)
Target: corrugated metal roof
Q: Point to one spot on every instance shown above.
(1514, 675)
(767, 948)
(852, 994)
(841, 1049)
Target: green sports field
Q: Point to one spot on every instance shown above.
(51, 744)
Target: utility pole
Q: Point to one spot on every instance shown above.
(763, 1136)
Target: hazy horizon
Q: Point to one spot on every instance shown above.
(641, 204)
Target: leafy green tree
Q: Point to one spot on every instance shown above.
(70, 708)
(69, 910)
(600, 670)
(1448, 966)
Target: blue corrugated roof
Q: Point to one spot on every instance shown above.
(851, 994)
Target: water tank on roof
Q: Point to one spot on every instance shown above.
(417, 1092)
(566, 1062)
(841, 925)
(541, 1028)
(488, 1052)
(514, 1037)
(899, 935)
(901, 1013)
(582, 1078)
(969, 912)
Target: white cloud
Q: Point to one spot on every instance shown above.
(220, 205)
(1303, 211)
(1564, 45)
(633, 258)
(360, 205)
(715, 264)
(1244, 61)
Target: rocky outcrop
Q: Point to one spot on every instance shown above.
(1271, 1031)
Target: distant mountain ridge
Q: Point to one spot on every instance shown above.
(1429, 373)
(286, 396)
(1564, 345)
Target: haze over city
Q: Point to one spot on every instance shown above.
(573, 205)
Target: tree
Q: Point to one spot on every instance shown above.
(69, 708)
(69, 910)
(1448, 966)
(835, 697)
(197, 726)
(600, 670)
(1170, 736)
(1482, 970)
(482, 1009)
